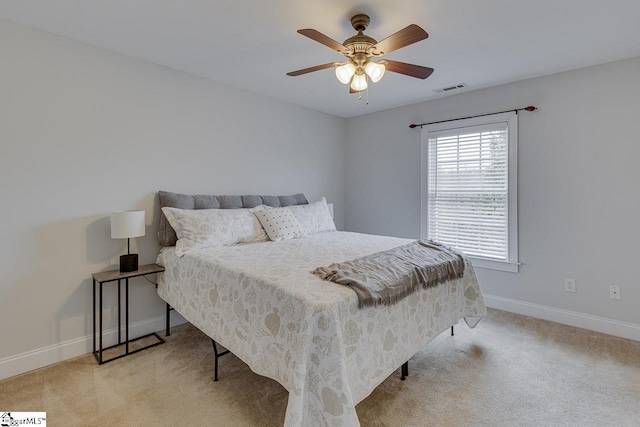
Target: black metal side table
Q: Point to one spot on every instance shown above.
(112, 276)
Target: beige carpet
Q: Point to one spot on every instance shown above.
(510, 371)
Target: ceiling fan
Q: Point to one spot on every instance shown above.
(360, 51)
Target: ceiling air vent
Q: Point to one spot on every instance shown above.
(450, 88)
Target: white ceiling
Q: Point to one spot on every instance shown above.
(252, 44)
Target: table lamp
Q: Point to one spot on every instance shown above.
(125, 225)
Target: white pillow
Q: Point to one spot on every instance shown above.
(280, 224)
(208, 228)
(314, 217)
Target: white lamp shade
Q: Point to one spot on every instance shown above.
(375, 71)
(359, 82)
(126, 224)
(345, 72)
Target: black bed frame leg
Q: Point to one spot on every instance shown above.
(404, 370)
(216, 355)
(168, 330)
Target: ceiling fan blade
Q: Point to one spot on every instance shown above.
(321, 38)
(410, 70)
(311, 69)
(402, 38)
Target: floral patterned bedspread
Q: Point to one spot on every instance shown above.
(261, 302)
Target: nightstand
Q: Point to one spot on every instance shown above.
(112, 276)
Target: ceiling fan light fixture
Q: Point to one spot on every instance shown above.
(375, 71)
(359, 82)
(345, 72)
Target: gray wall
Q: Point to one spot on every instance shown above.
(579, 200)
(83, 132)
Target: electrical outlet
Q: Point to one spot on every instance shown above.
(569, 285)
(614, 292)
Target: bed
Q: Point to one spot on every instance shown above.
(261, 302)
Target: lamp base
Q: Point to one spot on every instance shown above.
(128, 263)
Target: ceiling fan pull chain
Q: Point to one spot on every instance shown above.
(367, 95)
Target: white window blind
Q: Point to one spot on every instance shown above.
(470, 201)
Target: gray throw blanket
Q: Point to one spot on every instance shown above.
(384, 278)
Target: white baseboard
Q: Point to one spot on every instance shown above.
(34, 359)
(580, 320)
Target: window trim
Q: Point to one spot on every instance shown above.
(512, 264)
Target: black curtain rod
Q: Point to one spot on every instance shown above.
(529, 108)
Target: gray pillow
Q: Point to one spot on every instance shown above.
(166, 233)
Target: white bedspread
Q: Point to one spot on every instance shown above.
(262, 302)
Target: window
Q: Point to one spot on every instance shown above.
(469, 188)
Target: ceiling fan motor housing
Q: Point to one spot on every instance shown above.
(360, 43)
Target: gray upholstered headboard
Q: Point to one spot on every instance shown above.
(166, 233)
